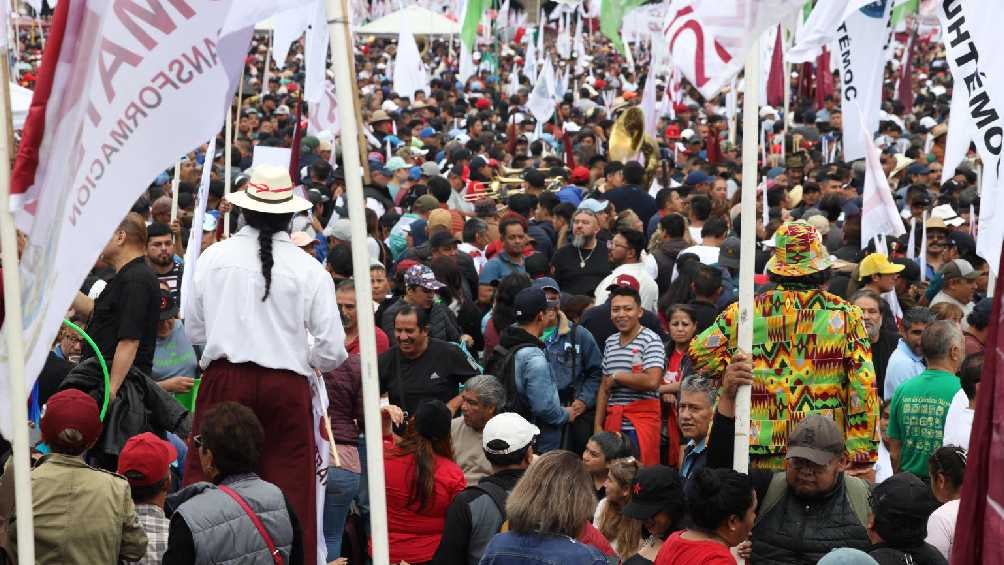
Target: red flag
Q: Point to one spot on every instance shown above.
(294, 154)
(775, 80)
(980, 525)
(824, 78)
(904, 92)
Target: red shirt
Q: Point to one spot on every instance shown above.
(414, 536)
(679, 551)
(382, 343)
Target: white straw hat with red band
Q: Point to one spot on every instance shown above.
(270, 190)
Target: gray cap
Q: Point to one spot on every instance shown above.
(728, 254)
(817, 439)
(430, 169)
(958, 269)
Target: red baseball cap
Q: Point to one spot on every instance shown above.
(145, 459)
(600, 84)
(673, 131)
(71, 409)
(580, 174)
(483, 104)
(626, 281)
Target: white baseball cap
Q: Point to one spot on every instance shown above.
(507, 428)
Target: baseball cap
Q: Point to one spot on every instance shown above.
(580, 174)
(430, 169)
(396, 163)
(168, 305)
(847, 556)
(546, 283)
(426, 203)
(817, 439)
(282, 110)
(507, 433)
(625, 281)
(877, 264)
(340, 229)
(904, 496)
(696, 177)
(440, 218)
(422, 275)
(426, 132)
(958, 269)
(528, 303)
(209, 222)
(71, 409)
(728, 255)
(917, 169)
(656, 488)
(593, 205)
(440, 238)
(301, 238)
(146, 459)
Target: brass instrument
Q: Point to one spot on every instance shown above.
(628, 142)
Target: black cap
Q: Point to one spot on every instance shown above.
(534, 178)
(911, 272)
(529, 302)
(729, 253)
(962, 241)
(656, 488)
(903, 496)
(440, 238)
(432, 420)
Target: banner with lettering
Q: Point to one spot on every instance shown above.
(862, 49)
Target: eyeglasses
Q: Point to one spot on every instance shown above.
(611, 245)
(800, 464)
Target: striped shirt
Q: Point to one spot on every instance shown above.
(647, 349)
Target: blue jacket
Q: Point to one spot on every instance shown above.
(512, 548)
(533, 377)
(588, 361)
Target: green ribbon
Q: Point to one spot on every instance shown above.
(101, 360)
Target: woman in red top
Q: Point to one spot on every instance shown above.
(682, 328)
(722, 508)
(422, 480)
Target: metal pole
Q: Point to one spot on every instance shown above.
(341, 60)
(15, 347)
(747, 248)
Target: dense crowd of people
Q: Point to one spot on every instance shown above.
(556, 329)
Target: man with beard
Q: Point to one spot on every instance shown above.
(908, 359)
(420, 367)
(883, 337)
(579, 267)
(345, 296)
(160, 257)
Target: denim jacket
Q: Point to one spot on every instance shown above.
(588, 364)
(512, 548)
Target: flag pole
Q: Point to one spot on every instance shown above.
(15, 348)
(751, 104)
(228, 133)
(342, 63)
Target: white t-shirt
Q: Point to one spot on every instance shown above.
(941, 527)
(695, 234)
(883, 467)
(958, 421)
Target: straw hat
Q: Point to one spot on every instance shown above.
(798, 250)
(270, 190)
(379, 116)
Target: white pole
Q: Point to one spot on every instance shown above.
(18, 392)
(341, 53)
(747, 245)
(227, 153)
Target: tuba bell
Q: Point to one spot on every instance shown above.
(628, 142)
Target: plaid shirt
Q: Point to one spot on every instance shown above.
(156, 525)
(810, 354)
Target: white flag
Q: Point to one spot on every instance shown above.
(972, 36)
(410, 73)
(821, 28)
(530, 61)
(315, 54)
(961, 132)
(540, 102)
(160, 91)
(648, 105)
(467, 66)
(194, 247)
(323, 114)
(322, 456)
(709, 40)
(879, 215)
(862, 47)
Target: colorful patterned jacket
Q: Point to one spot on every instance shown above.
(810, 354)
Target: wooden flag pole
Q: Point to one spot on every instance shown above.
(228, 133)
(747, 248)
(15, 349)
(342, 64)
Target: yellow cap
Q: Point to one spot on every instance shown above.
(877, 264)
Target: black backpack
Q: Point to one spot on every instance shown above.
(502, 365)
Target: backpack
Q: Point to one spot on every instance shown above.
(498, 496)
(503, 366)
(857, 495)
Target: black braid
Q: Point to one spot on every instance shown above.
(267, 225)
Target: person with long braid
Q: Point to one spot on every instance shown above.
(253, 301)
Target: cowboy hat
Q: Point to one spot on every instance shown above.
(270, 190)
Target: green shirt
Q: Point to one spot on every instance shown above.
(917, 417)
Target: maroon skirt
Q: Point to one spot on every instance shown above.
(281, 400)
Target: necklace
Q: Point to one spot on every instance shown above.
(582, 262)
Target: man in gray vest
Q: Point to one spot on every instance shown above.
(812, 506)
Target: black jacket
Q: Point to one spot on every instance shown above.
(923, 554)
(140, 406)
(471, 520)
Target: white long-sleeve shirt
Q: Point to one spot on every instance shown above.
(649, 289)
(225, 311)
